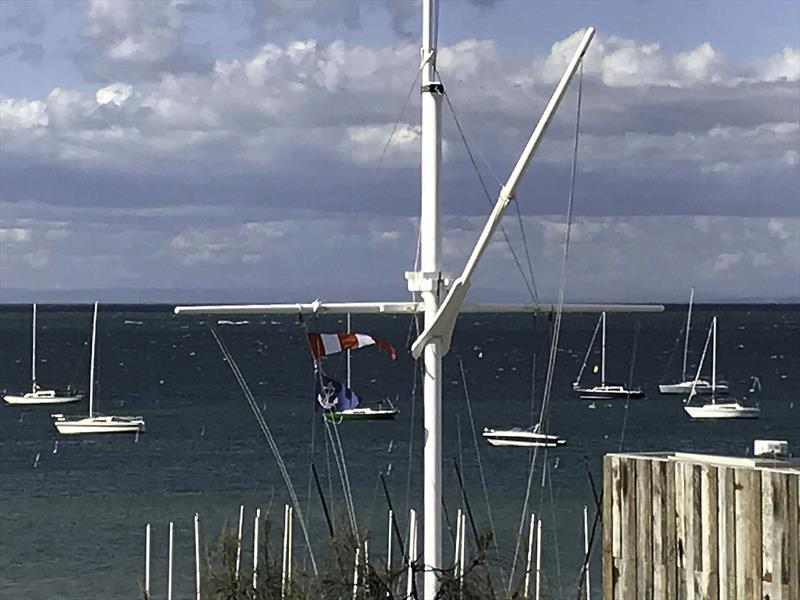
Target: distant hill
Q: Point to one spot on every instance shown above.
(339, 294)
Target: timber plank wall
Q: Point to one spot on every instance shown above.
(691, 527)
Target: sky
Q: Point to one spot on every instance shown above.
(269, 151)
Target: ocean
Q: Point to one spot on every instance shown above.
(73, 510)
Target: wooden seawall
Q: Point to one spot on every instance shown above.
(690, 527)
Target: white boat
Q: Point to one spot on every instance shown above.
(700, 386)
(39, 395)
(604, 391)
(727, 410)
(521, 437)
(94, 423)
(714, 409)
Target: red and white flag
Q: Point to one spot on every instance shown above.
(323, 344)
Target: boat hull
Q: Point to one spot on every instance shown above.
(361, 414)
(685, 387)
(609, 393)
(521, 438)
(92, 425)
(34, 398)
(732, 410)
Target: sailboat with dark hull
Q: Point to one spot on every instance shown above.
(604, 391)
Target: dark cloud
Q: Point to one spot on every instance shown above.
(225, 174)
(27, 52)
(27, 17)
(144, 40)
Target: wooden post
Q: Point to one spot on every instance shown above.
(727, 533)
(412, 552)
(255, 548)
(389, 556)
(644, 523)
(531, 535)
(197, 554)
(538, 559)
(169, 562)
(587, 582)
(239, 541)
(147, 562)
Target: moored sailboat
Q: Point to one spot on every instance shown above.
(38, 394)
(604, 391)
(338, 401)
(714, 409)
(94, 423)
(685, 386)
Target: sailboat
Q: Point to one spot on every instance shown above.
(39, 395)
(685, 386)
(338, 401)
(714, 409)
(604, 391)
(94, 423)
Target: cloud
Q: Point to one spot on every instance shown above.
(694, 132)
(268, 249)
(27, 52)
(143, 39)
(226, 172)
(26, 17)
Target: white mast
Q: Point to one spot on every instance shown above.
(348, 354)
(91, 367)
(430, 283)
(688, 326)
(603, 353)
(714, 363)
(33, 351)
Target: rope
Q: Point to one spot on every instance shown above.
(544, 411)
(672, 353)
(589, 350)
(630, 384)
(478, 454)
(530, 285)
(262, 423)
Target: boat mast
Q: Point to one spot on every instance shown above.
(91, 367)
(33, 352)
(348, 354)
(686, 343)
(603, 353)
(714, 363)
(431, 282)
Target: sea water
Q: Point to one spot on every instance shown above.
(73, 510)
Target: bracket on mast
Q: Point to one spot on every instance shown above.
(435, 282)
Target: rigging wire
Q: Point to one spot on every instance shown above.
(589, 349)
(630, 384)
(530, 285)
(672, 353)
(478, 455)
(262, 423)
(544, 411)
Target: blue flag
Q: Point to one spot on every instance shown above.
(332, 395)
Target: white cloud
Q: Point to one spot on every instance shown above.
(22, 114)
(116, 93)
(782, 66)
(14, 234)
